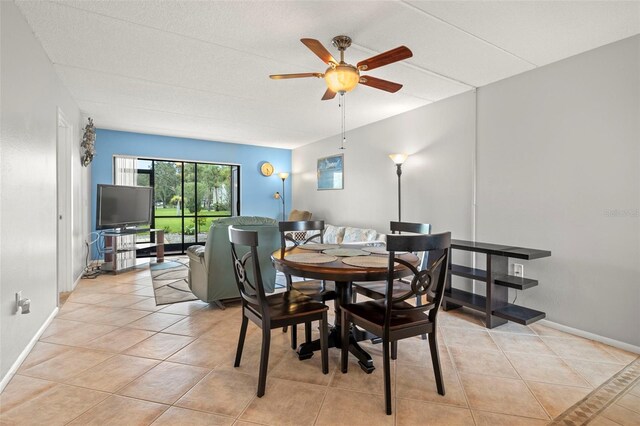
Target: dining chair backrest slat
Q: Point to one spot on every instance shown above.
(423, 281)
(415, 228)
(251, 288)
(286, 228)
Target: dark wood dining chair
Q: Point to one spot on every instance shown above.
(392, 318)
(315, 289)
(275, 311)
(377, 289)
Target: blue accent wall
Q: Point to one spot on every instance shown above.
(256, 190)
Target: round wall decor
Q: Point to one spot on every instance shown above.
(266, 168)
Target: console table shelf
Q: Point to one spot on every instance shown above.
(466, 272)
(495, 305)
(519, 314)
(519, 283)
(466, 298)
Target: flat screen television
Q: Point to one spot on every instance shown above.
(122, 206)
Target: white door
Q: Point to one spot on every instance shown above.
(64, 194)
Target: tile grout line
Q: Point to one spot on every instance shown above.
(522, 379)
(324, 397)
(525, 381)
(464, 392)
(88, 409)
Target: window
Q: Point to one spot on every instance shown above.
(189, 197)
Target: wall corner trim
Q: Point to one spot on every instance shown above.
(14, 368)
(577, 332)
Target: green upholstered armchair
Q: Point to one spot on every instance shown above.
(211, 276)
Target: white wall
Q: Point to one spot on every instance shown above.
(31, 95)
(557, 147)
(436, 179)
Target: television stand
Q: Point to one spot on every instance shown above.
(121, 247)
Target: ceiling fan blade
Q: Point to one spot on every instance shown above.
(378, 83)
(316, 47)
(329, 94)
(385, 58)
(299, 75)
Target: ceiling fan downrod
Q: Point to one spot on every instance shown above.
(341, 42)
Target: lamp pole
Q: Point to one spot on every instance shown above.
(398, 159)
(283, 176)
(399, 173)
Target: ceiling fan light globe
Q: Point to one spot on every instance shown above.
(343, 78)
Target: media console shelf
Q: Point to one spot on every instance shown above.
(495, 304)
(120, 253)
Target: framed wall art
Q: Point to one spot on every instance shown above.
(331, 172)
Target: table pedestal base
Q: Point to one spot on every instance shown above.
(305, 350)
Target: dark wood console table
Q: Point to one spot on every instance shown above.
(495, 304)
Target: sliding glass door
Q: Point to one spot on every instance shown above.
(189, 196)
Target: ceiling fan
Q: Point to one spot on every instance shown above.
(342, 77)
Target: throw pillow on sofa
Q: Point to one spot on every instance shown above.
(333, 234)
(358, 235)
(298, 215)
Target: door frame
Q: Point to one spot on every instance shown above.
(64, 210)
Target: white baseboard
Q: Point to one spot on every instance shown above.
(7, 378)
(607, 341)
(75, 283)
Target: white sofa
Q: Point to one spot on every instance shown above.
(348, 235)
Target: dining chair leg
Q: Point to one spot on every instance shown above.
(324, 343)
(307, 332)
(289, 285)
(394, 349)
(419, 303)
(344, 338)
(294, 336)
(243, 333)
(435, 358)
(387, 375)
(264, 361)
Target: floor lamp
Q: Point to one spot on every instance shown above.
(398, 159)
(283, 176)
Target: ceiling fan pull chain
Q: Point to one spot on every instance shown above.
(342, 105)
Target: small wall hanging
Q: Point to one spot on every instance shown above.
(88, 143)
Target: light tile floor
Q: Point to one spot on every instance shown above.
(112, 357)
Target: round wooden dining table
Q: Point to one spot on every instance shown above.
(343, 275)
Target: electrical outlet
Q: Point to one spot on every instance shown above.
(518, 270)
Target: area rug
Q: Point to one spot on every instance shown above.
(170, 281)
(587, 409)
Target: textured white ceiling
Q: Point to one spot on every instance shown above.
(200, 69)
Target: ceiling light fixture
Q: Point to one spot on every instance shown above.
(341, 77)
